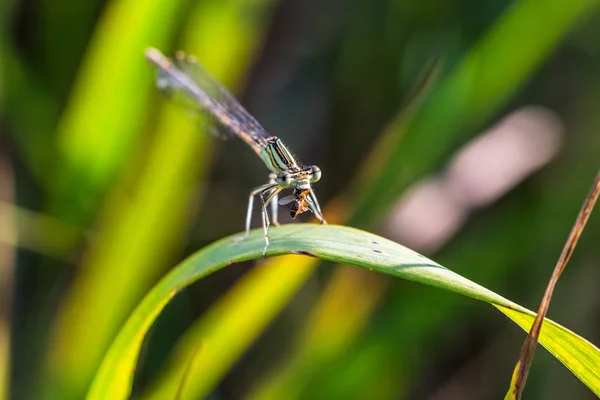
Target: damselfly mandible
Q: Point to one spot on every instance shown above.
(186, 76)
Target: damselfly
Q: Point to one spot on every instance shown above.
(186, 76)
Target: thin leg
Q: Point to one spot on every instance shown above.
(265, 221)
(315, 208)
(251, 203)
(274, 201)
(270, 194)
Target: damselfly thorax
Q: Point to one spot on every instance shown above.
(186, 76)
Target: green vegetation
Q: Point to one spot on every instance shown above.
(108, 186)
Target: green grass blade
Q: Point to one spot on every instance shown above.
(334, 243)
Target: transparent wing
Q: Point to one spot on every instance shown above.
(176, 95)
(186, 79)
(191, 67)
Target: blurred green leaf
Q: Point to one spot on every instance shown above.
(29, 113)
(329, 242)
(143, 227)
(344, 309)
(38, 232)
(106, 108)
(490, 73)
(231, 325)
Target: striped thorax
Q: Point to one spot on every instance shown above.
(279, 160)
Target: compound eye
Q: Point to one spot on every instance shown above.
(284, 178)
(316, 173)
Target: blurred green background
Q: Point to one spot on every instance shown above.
(467, 130)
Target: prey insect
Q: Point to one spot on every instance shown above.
(184, 75)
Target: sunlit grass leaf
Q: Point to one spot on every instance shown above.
(331, 242)
(575, 352)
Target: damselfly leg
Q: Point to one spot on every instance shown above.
(316, 209)
(275, 201)
(268, 195)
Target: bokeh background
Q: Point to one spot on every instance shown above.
(467, 130)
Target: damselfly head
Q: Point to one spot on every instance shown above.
(299, 179)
